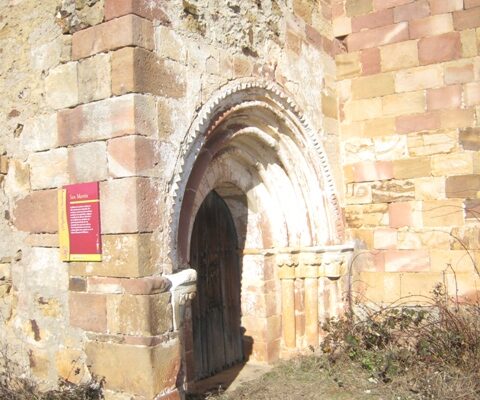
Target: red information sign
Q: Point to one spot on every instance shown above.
(79, 222)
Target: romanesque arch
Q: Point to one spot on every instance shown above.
(253, 147)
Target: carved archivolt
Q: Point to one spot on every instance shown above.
(255, 128)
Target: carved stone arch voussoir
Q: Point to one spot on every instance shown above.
(216, 111)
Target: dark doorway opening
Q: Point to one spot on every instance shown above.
(216, 311)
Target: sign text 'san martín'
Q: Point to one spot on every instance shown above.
(79, 222)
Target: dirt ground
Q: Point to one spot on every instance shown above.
(311, 378)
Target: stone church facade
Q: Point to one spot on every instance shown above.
(261, 165)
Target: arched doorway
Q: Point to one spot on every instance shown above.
(253, 147)
(217, 339)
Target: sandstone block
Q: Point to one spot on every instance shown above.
(61, 86)
(146, 371)
(381, 4)
(87, 162)
(372, 20)
(457, 118)
(379, 127)
(341, 26)
(427, 239)
(76, 284)
(469, 139)
(471, 3)
(446, 97)
(378, 36)
(440, 48)
(88, 311)
(394, 190)
(42, 240)
(472, 93)
(329, 106)
(390, 147)
(170, 44)
(132, 156)
(399, 55)
(363, 109)
(3, 165)
(129, 30)
(70, 365)
(443, 213)
(49, 169)
(370, 60)
(466, 19)
(466, 237)
(144, 315)
(94, 78)
(385, 238)
(412, 11)
(133, 255)
(40, 133)
(373, 86)
(430, 188)
(372, 215)
(430, 26)
(362, 236)
(404, 214)
(372, 171)
(357, 7)
(458, 72)
(458, 260)
(463, 186)
(468, 38)
(348, 65)
(452, 164)
(472, 209)
(139, 70)
(445, 6)
(404, 103)
(37, 212)
(125, 115)
(426, 143)
(419, 284)
(129, 205)
(411, 168)
(418, 122)
(418, 78)
(142, 8)
(358, 193)
(407, 261)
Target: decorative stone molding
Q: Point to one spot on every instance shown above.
(230, 99)
(309, 262)
(183, 288)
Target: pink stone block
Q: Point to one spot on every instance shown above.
(372, 171)
(407, 261)
(401, 214)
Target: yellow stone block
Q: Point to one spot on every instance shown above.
(443, 213)
(379, 127)
(373, 86)
(418, 79)
(419, 285)
(129, 255)
(141, 370)
(329, 106)
(399, 55)
(348, 65)
(458, 260)
(452, 164)
(358, 110)
(411, 168)
(404, 103)
(469, 43)
(430, 188)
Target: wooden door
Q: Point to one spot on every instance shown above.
(217, 339)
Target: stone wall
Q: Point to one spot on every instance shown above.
(408, 84)
(106, 91)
